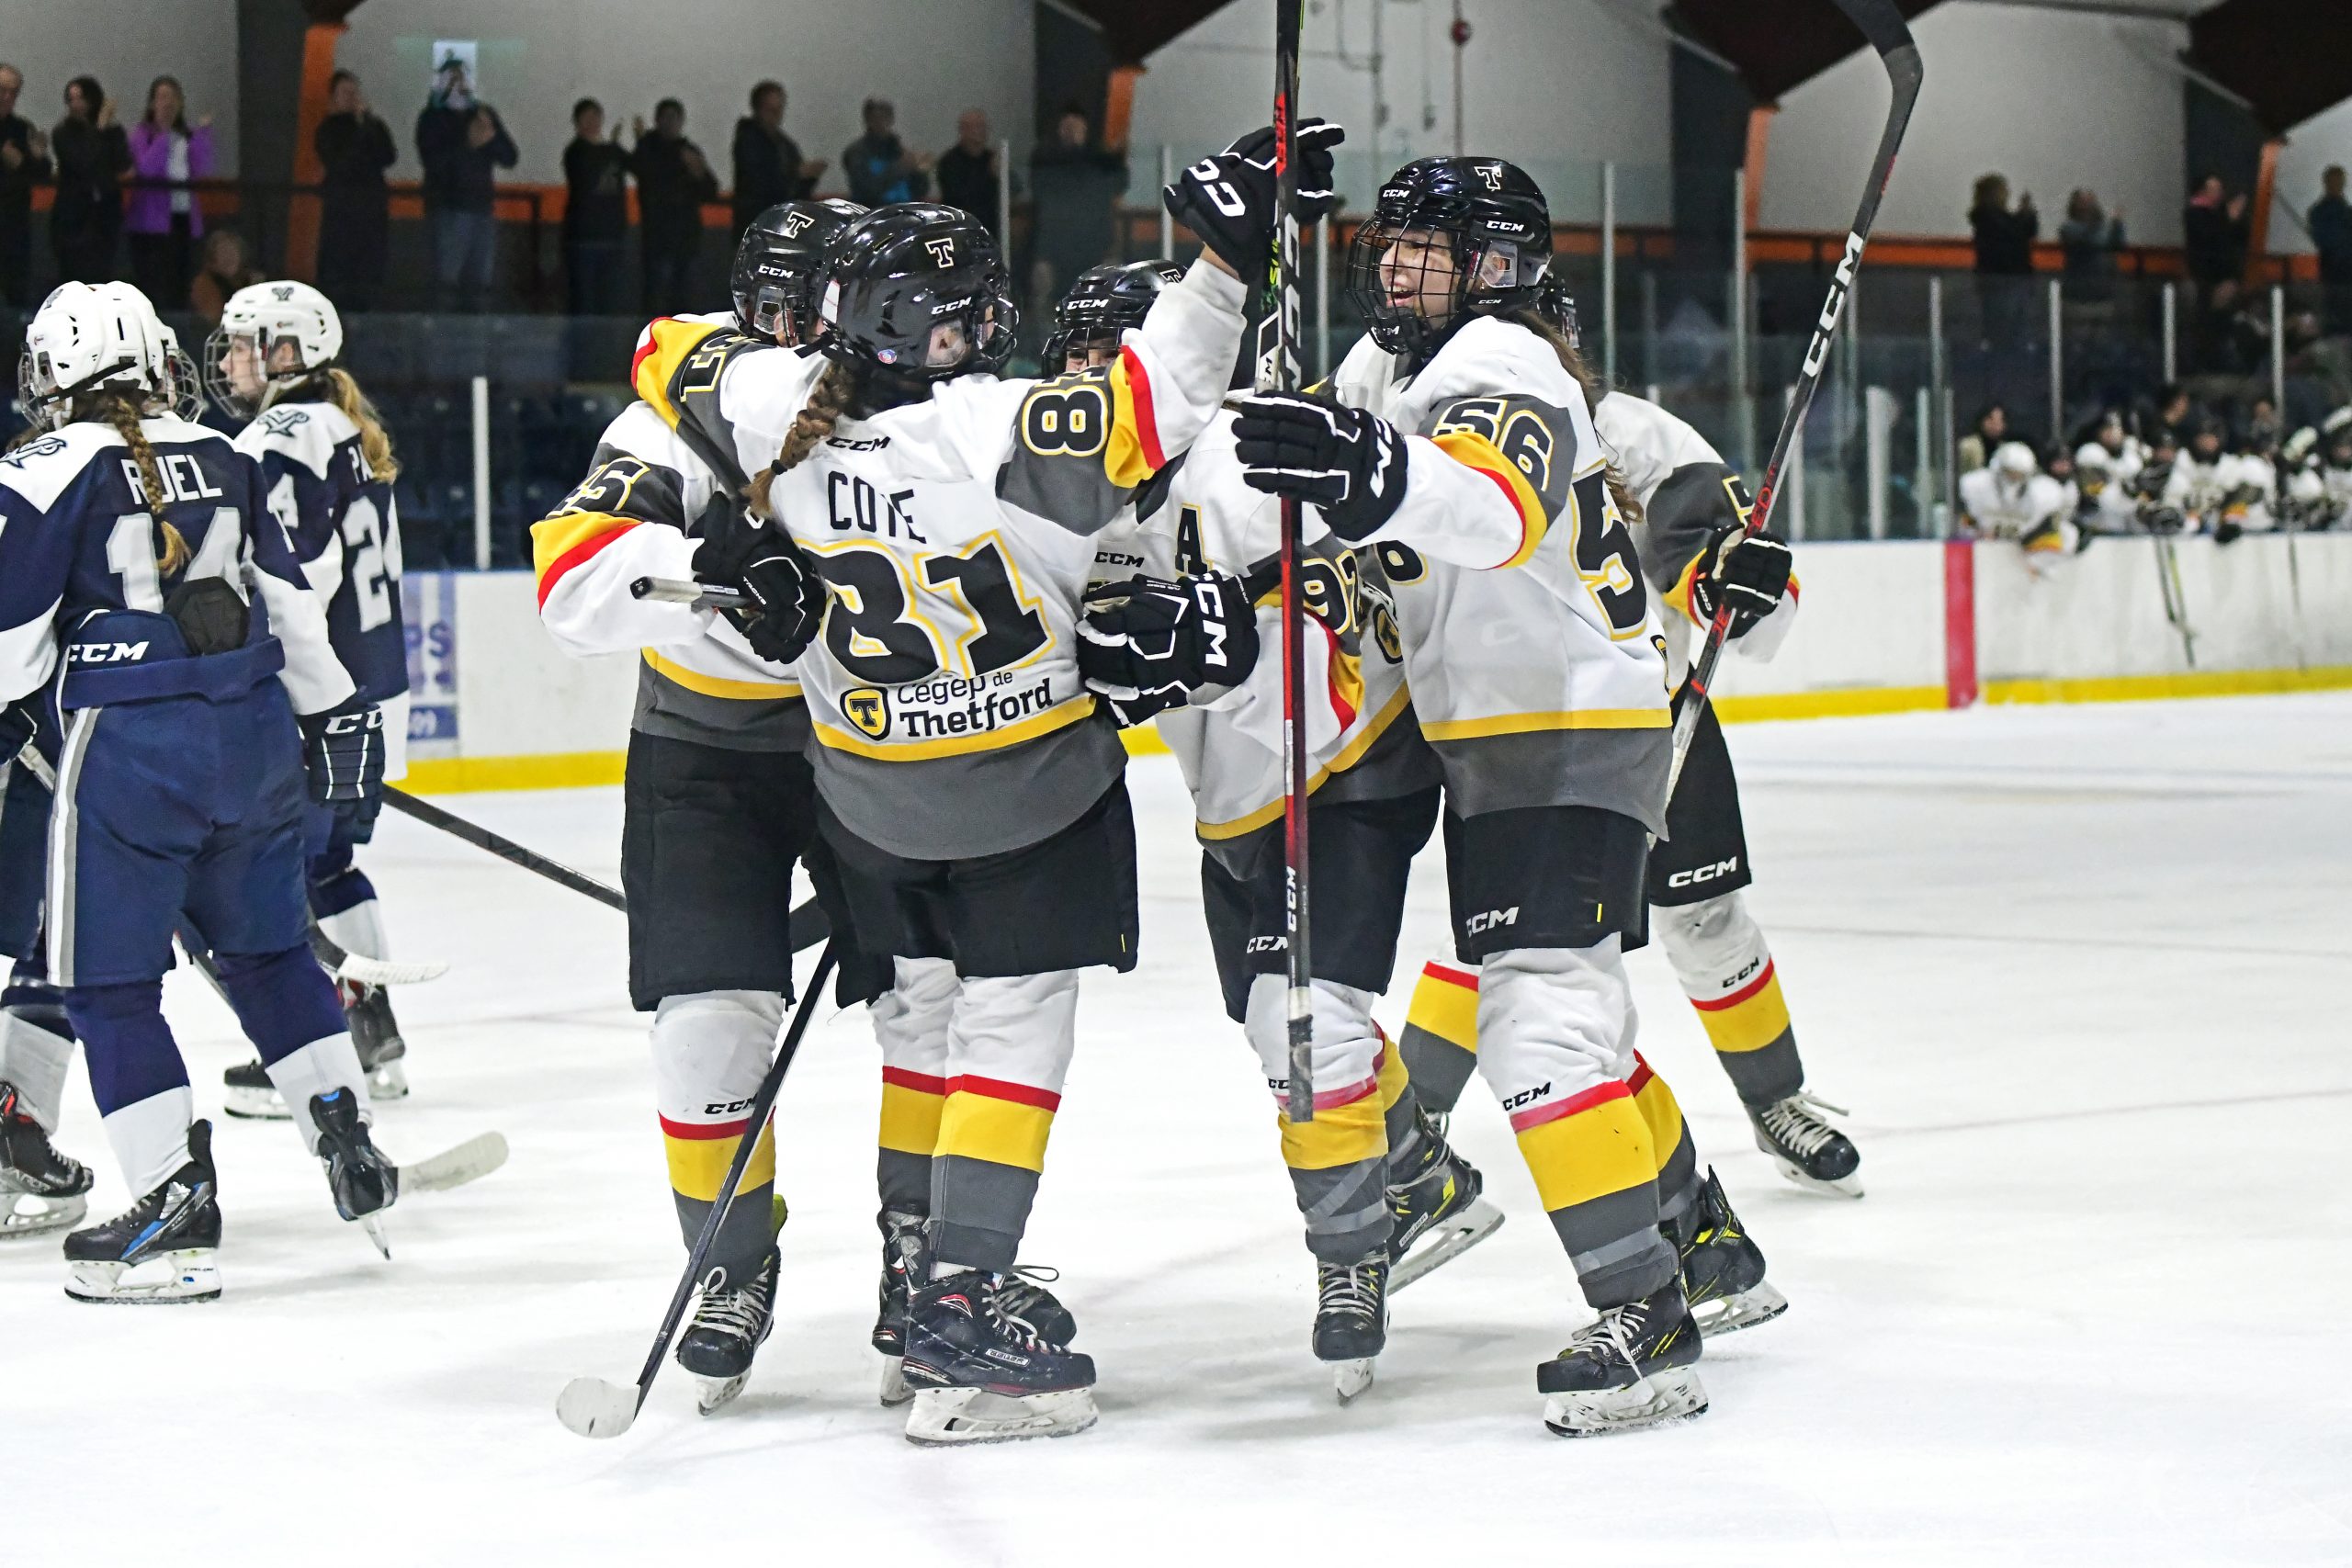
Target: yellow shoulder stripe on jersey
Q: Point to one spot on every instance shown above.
(1535, 723)
(1030, 728)
(563, 541)
(1133, 454)
(667, 344)
(1347, 757)
(1680, 594)
(1473, 450)
(720, 685)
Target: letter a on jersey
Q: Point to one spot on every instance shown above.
(869, 710)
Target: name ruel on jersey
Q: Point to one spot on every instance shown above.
(945, 707)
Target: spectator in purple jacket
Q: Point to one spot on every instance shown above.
(163, 220)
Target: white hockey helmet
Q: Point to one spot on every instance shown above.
(2015, 461)
(261, 320)
(87, 336)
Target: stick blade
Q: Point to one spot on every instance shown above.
(383, 972)
(469, 1161)
(592, 1407)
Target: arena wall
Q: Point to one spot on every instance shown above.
(1883, 627)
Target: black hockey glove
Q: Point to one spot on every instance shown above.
(1228, 200)
(768, 567)
(1144, 643)
(2164, 519)
(1348, 462)
(1749, 571)
(343, 751)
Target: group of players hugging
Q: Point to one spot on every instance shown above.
(945, 590)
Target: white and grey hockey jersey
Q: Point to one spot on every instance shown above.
(2235, 488)
(1531, 648)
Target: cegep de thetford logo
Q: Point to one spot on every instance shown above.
(1492, 173)
(868, 711)
(943, 250)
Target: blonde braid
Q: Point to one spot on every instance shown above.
(375, 442)
(828, 402)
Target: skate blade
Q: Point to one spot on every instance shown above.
(374, 1226)
(1844, 1187)
(1731, 1313)
(1444, 1242)
(32, 1213)
(1349, 1379)
(943, 1416)
(1670, 1394)
(595, 1408)
(469, 1161)
(387, 1081)
(895, 1389)
(191, 1274)
(715, 1394)
(255, 1104)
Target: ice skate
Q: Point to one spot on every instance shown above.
(377, 1037)
(365, 1183)
(1807, 1147)
(40, 1189)
(728, 1327)
(904, 1261)
(1634, 1368)
(1722, 1269)
(1351, 1322)
(982, 1374)
(163, 1248)
(1438, 1211)
(247, 1094)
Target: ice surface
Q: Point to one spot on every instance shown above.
(2079, 972)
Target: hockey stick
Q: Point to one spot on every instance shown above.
(593, 1407)
(701, 596)
(1883, 26)
(1278, 372)
(2175, 598)
(505, 849)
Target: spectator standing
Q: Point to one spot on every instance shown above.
(967, 172)
(877, 165)
(2004, 261)
(164, 221)
(462, 143)
(769, 169)
(24, 163)
(673, 180)
(2330, 221)
(596, 213)
(2090, 236)
(1074, 182)
(355, 148)
(92, 157)
(225, 270)
(2213, 234)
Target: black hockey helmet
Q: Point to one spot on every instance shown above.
(902, 272)
(1557, 306)
(1497, 229)
(1106, 301)
(780, 265)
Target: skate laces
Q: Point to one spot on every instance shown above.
(1794, 1121)
(1608, 1332)
(1014, 1295)
(737, 1309)
(1352, 1288)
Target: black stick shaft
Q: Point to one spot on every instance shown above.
(754, 1121)
(1278, 371)
(504, 847)
(1884, 26)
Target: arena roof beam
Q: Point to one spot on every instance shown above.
(1775, 45)
(2290, 60)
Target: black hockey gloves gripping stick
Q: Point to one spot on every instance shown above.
(1883, 26)
(595, 1408)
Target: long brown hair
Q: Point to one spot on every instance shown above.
(1596, 388)
(828, 399)
(375, 444)
(123, 410)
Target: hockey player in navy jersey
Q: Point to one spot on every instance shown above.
(327, 471)
(151, 600)
(41, 1189)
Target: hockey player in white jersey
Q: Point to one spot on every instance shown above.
(1384, 1198)
(1462, 449)
(2215, 490)
(2012, 498)
(2319, 482)
(2107, 470)
(328, 467)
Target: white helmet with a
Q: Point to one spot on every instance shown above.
(2015, 462)
(264, 319)
(87, 336)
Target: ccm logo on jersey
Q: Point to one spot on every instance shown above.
(1701, 874)
(105, 652)
(1526, 1097)
(1491, 920)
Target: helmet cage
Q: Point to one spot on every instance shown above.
(222, 389)
(1492, 273)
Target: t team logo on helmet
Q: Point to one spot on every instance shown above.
(943, 250)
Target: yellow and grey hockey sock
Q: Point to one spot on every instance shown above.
(1596, 1171)
(1339, 1162)
(1677, 1160)
(911, 1105)
(699, 1154)
(1441, 1039)
(1720, 956)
